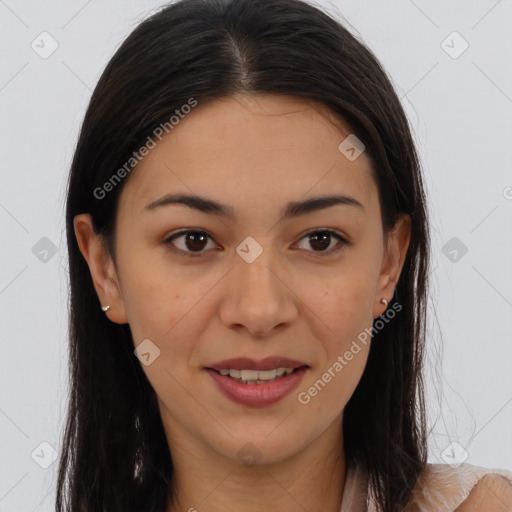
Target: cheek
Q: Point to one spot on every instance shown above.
(157, 296)
(330, 386)
(171, 307)
(347, 370)
(343, 303)
(165, 314)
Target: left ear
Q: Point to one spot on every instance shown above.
(393, 261)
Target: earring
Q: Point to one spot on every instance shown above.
(384, 301)
(105, 308)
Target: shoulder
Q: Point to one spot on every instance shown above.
(492, 493)
(466, 488)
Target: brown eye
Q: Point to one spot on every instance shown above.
(193, 241)
(320, 240)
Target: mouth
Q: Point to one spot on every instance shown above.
(257, 377)
(255, 388)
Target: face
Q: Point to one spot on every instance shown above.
(261, 279)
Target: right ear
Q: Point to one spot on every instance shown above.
(101, 266)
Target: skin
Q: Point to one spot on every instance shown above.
(255, 153)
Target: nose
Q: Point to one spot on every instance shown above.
(258, 297)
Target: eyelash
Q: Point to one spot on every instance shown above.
(187, 254)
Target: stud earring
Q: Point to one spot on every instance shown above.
(384, 301)
(105, 308)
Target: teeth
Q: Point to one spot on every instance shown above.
(255, 376)
(249, 374)
(267, 375)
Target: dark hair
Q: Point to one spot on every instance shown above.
(115, 455)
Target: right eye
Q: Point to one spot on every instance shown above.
(193, 242)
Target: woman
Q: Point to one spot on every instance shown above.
(248, 243)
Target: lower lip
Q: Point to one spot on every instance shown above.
(258, 395)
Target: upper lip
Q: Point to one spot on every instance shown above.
(245, 363)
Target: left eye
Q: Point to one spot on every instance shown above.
(323, 238)
(195, 240)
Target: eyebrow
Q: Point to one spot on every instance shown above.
(291, 210)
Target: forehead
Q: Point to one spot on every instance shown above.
(262, 147)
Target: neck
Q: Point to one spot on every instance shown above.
(310, 479)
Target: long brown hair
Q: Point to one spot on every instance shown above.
(115, 456)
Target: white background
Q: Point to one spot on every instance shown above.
(460, 110)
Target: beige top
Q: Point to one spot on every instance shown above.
(441, 488)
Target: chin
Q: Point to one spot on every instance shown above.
(258, 449)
